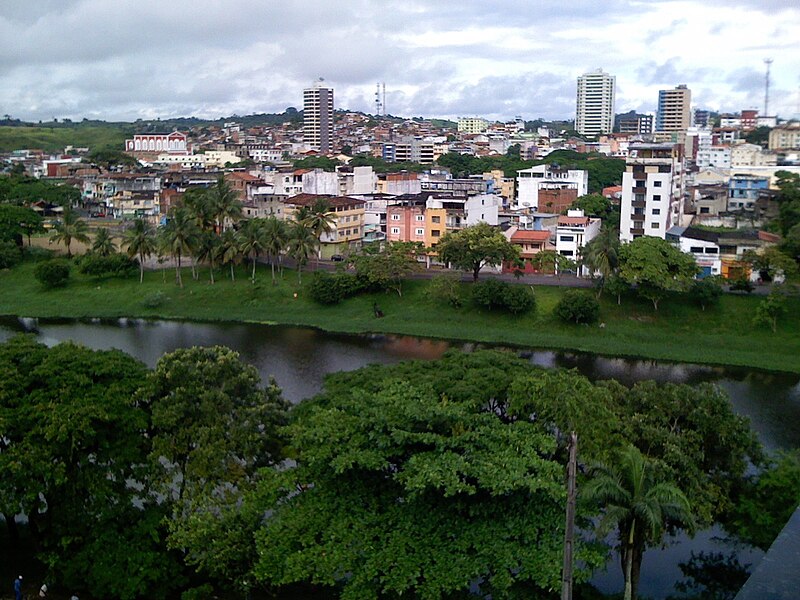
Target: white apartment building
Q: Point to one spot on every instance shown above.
(573, 232)
(483, 208)
(751, 155)
(652, 191)
(547, 177)
(318, 117)
(715, 157)
(594, 113)
(472, 125)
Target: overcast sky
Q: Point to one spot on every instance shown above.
(129, 59)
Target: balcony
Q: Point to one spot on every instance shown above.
(637, 231)
(638, 204)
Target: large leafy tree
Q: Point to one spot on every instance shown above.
(639, 503)
(70, 227)
(140, 241)
(476, 246)
(655, 267)
(18, 221)
(595, 205)
(386, 268)
(771, 262)
(213, 427)
(73, 452)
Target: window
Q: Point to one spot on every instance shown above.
(567, 238)
(704, 210)
(712, 251)
(639, 197)
(656, 184)
(395, 217)
(656, 197)
(566, 253)
(396, 230)
(664, 169)
(696, 249)
(654, 226)
(436, 233)
(656, 211)
(420, 218)
(420, 231)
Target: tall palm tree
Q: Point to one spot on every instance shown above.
(209, 248)
(321, 221)
(103, 243)
(70, 228)
(231, 252)
(196, 201)
(302, 243)
(637, 503)
(224, 203)
(179, 236)
(601, 254)
(140, 241)
(276, 240)
(252, 241)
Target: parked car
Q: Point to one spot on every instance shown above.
(337, 258)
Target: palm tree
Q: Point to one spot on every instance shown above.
(70, 228)
(196, 201)
(209, 248)
(302, 243)
(252, 241)
(638, 504)
(103, 243)
(178, 237)
(224, 203)
(320, 221)
(600, 255)
(276, 240)
(231, 252)
(140, 241)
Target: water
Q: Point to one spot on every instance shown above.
(300, 358)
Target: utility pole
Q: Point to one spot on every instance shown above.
(768, 62)
(569, 530)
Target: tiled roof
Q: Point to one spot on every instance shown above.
(529, 235)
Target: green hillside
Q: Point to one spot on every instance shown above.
(53, 139)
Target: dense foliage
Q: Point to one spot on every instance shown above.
(52, 273)
(577, 306)
(496, 294)
(475, 247)
(327, 288)
(112, 265)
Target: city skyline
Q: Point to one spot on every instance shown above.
(129, 60)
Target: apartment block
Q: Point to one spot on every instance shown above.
(547, 183)
(674, 109)
(594, 113)
(318, 118)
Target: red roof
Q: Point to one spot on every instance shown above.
(573, 220)
(766, 236)
(528, 235)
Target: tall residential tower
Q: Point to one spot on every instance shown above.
(674, 109)
(594, 113)
(318, 117)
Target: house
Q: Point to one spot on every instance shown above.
(573, 232)
(530, 243)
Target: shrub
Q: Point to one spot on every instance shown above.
(35, 253)
(493, 293)
(742, 285)
(446, 288)
(113, 265)
(52, 273)
(10, 254)
(332, 289)
(705, 292)
(154, 300)
(518, 299)
(577, 306)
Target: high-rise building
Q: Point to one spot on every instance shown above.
(674, 109)
(318, 117)
(652, 191)
(594, 112)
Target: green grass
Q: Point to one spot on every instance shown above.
(678, 331)
(52, 139)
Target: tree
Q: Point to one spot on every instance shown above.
(476, 246)
(301, 244)
(386, 268)
(209, 248)
(103, 243)
(320, 220)
(705, 292)
(551, 261)
(594, 205)
(140, 241)
(224, 204)
(601, 254)
(655, 267)
(771, 263)
(71, 227)
(18, 221)
(276, 240)
(197, 201)
(178, 237)
(231, 251)
(788, 200)
(252, 241)
(213, 427)
(770, 310)
(52, 273)
(577, 306)
(639, 504)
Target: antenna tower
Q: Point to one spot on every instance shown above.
(380, 100)
(768, 62)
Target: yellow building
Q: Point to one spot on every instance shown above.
(348, 221)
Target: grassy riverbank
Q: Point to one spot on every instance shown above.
(678, 331)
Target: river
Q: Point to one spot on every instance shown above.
(300, 358)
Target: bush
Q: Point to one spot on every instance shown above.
(577, 306)
(52, 273)
(154, 300)
(446, 288)
(493, 293)
(742, 285)
(37, 254)
(332, 289)
(10, 254)
(705, 292)
(113, 265)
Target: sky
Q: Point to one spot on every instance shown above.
(132, 59)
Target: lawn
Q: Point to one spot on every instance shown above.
(678, 331)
